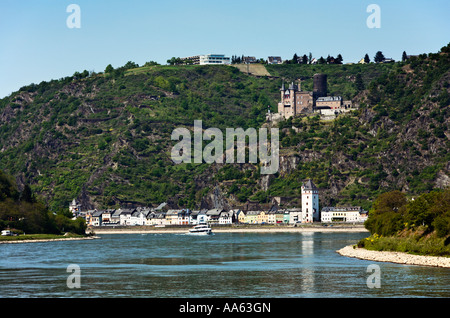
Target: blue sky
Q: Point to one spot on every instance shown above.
(37, 45)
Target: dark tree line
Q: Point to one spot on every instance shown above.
(21, 211)
(392, 212)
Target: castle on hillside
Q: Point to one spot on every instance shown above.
(295, 101)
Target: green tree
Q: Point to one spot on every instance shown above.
(417, 211)
(379, 57)
(445, 49)
(130, 65)
(174, 61)
(441, 210)
(151, 63)
(359, 84)
(304, 59)
(386, 216)
(109, 69)
(366, 58)
(65, 213)
(404, 56)
(7, 187)
(442, 225)
(27, 195)
(386, 224)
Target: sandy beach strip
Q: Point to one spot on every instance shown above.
(172, 230)
(51, 240)
(394, 257)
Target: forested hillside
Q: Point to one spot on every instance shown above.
(105, 138)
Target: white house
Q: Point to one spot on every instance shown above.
(272, 217)
(138, 217)
(125, 217)
(149, 218)
(342, 214)
(156, 218)
(193, 217)
(88, 216)
(107, 216)
(183, 217)
(226, 217)
(310, 202)
(274, 60)
(172, 217)
(202, 217)
(96, 219)
(295, 215)
(213, 215)
(115, 217)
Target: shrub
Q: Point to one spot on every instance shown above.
(442, 225)
(385, 224)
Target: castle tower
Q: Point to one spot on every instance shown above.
(292, 101)
(281, 103)
(286, 106)
(319, 85)
(310, 202)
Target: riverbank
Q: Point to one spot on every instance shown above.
(36, 239)
(229, 229)
(394, 257)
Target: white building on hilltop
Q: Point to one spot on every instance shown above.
(310, 202)
(207, 59)
(214, 59)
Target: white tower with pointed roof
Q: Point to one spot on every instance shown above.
(74, 207)
(310, 202)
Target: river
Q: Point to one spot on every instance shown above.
(222, 265)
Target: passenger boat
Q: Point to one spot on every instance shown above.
(201, 229)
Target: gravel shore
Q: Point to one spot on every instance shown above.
(50, 240)
(394, 257)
